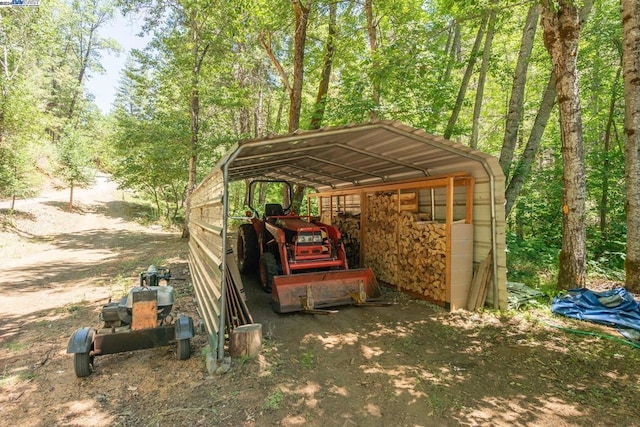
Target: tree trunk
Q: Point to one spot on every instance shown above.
(323, 87)
(523, 168)
(71, 197)
(373, 48)
(606, 164)
(198, 54)
(486, 54)
(300, 37)
(561, 27)
(465, 80)
(516, 102)
(453, 52)
(631, 72)
(86, 48)
(521, 172)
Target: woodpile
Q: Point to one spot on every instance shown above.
(403, 247)
(349, 226)
(381, 237)
(422, 262)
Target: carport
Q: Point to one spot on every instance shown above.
(340, 159)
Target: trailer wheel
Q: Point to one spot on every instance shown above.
(82, 364)
(184, 349)
(268, 269)
(247, 248)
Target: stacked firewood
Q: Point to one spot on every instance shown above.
(381, 237)
(422, 260)
(349, 226)
(402, 247)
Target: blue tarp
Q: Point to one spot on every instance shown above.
(615, 307)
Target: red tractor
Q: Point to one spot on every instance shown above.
(301, 262)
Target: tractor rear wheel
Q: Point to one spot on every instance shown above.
(268, 269)
(247, 249)
(184, 349)
(82, 364)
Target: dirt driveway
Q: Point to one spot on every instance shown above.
(411, 364)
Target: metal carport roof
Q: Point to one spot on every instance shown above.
(351, 156)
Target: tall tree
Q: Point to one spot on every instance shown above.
(75, 155)
(327, 61)
(561, 26)
(482, 77)
(76, 51)
(466, 78)
(516, 101)
(606, 165)
(86, 42)
(373, 49)
(196, 21)
(21, 118)
(521, 171)
(185, 31)
(631, 73)
(301, 12)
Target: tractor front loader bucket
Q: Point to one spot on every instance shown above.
(312, 292)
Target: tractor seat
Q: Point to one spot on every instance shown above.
(273, 209)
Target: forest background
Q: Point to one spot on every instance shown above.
(482, 73)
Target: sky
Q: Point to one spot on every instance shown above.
(103, 86)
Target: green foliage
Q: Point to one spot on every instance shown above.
(307, 359)
(531, 260)
(274, 400)
(17, 174)
(75, 158)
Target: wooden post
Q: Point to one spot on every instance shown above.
(246, 340)
(449, 222)
(470, 184)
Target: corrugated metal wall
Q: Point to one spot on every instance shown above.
(206, 224)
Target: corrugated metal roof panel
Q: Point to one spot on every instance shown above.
(354, 155)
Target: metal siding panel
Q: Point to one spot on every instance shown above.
(206, 248)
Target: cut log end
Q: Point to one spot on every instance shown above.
(246, 340)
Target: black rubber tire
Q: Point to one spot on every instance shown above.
(268, 269)
(247, 249)
(82, 364)
(183, 349)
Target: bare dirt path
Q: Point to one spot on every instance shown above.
(59, 267)
(412, 364)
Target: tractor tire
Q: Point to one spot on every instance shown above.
(268, 269)
(183, 349)
(247, 249)
(82, 364)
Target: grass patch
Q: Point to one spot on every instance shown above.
(306, 360)
(13, 379)
(274, 400)
(72, 309)
(15, 347)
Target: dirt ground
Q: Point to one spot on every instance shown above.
(412, 364)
